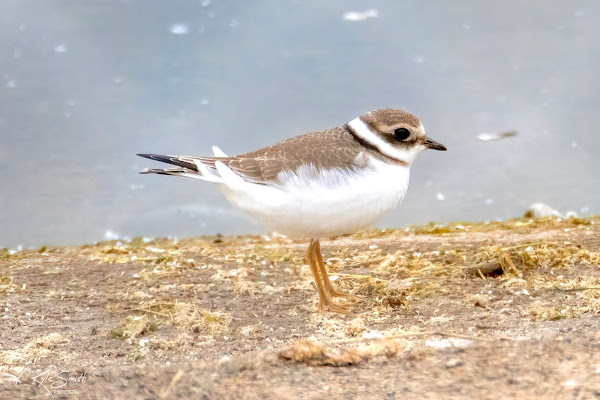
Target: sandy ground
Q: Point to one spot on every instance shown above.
(487, 311)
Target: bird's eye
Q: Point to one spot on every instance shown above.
(401, 134)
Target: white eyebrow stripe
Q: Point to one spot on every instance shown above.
(364, 132)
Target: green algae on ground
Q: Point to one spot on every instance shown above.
(515, 224)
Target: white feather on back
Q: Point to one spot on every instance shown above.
(206, 173)
(218, 152)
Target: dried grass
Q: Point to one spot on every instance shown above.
(7, 285)
(133, 326)
(252, 331)
(555, 313)
(517, 225)
(515, 259)
(188, 317)
(32, 351)
(180, 342)
(315, 354)
(193, 318)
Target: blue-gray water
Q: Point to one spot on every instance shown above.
(84, 85)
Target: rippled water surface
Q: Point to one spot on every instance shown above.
(84, 85)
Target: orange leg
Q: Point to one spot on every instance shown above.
(327, 283)
(324, 296)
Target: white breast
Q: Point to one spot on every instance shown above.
(319, 203)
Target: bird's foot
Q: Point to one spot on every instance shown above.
(331, 306)
(335, 293)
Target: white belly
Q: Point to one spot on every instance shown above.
(311, 203)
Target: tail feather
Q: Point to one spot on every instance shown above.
(173, 172)
(189, 167)
(175, 160)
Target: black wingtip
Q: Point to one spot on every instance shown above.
(145, 155)
(174, 160)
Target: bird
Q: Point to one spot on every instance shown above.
(320, 184)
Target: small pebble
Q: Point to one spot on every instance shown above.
(541, 210)
(480, 300)
(453, 363)
(372, 335)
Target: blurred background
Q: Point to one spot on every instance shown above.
(84, 85)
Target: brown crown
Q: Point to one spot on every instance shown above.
(387, 117)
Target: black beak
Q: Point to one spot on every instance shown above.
(433, 145)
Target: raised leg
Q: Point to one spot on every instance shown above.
(326, 282)
(324, 296)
